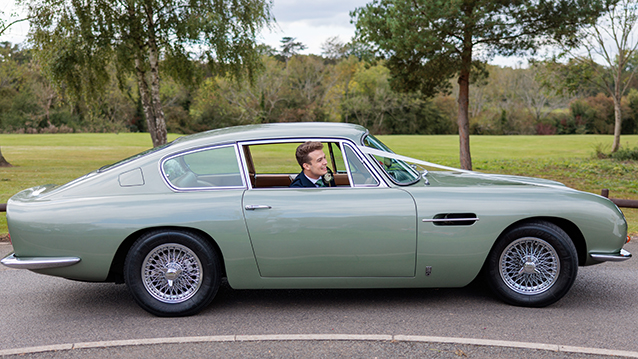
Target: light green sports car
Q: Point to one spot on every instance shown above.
(173, 221)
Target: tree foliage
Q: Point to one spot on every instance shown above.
(4, 26)
(508, 101)
(12, 20)
(427, 42)
(610, 41)
(78, 39)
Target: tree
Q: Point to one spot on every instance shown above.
(78, 39)
(540, 102)
(427, 42)
(244, 103)
(290, 48)
(517, 92)
(4, 27)
(610, 40)
(334, 49)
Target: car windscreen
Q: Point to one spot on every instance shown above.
(398, 171)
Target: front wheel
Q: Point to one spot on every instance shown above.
(532, 265)
(172, 273)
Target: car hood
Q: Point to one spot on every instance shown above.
(459, 179)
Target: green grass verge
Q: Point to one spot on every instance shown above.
(42, 159)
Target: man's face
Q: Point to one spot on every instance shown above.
(317, 165)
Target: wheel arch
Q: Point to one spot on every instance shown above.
(116, 271)
(566, 225)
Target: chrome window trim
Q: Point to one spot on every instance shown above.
(201, 149)
(374, 174)
(381, 170)
(340, 141)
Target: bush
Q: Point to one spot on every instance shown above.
(630, 122)
(625, 154)
(543, 128)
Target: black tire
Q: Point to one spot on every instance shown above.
(532, 265)
(172, 273)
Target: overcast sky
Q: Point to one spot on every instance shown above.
(309, 21)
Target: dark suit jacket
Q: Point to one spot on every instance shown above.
(302, 181)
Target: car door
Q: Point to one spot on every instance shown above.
(362, 230)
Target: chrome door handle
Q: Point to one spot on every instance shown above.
(252, 207)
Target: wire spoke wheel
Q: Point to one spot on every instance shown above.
(533, 264)
(529, 266)
(172, 273)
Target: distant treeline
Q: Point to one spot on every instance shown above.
(305, 88)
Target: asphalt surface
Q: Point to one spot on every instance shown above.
(598, 313)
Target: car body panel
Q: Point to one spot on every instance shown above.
(107, 221)
(339, 232)
(456, 252)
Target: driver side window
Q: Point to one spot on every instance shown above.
(274, 165)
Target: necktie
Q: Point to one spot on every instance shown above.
(320, 183)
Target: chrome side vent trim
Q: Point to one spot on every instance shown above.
(453, 219)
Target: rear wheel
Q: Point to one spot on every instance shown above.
(534, 265)
(172, 273)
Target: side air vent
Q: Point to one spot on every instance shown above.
(453, 219)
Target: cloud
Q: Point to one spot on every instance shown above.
(316, 13)
(312, 22)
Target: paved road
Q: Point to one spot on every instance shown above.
(599, 312)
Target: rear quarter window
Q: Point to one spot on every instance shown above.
(210, 168)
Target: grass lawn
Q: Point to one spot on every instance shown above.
(59, 158)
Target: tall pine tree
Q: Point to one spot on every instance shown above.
(428, 42)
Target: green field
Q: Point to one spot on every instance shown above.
(59, 158)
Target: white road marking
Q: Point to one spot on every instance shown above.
(320, 337)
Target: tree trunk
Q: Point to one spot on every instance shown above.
(464, 120)
(617, 125)
(464, 92)
(150, 96)
(617, 113)
(160, 121)
(145, 96)
(3, 162)
(464, 105)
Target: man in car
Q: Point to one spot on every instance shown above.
(314, 166)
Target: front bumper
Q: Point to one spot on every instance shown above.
(622, 256)
(12, 261)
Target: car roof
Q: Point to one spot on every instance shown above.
(274, 131)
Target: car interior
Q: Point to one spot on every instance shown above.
(275, 165)
(269, 165)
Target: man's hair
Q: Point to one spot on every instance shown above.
(304, 149)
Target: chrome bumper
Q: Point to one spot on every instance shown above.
(12, 261)
(622, 256)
